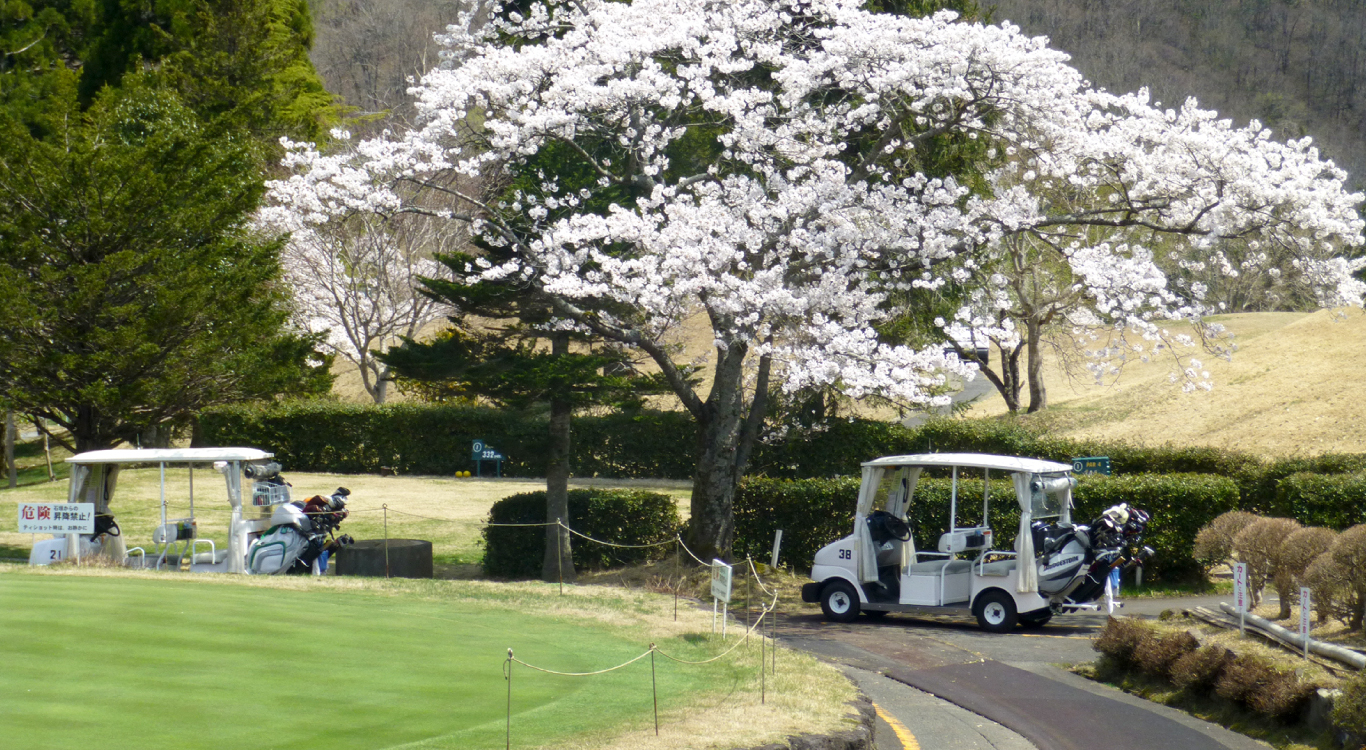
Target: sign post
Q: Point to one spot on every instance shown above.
(1305, 605)
(777, 542)
(481, 452)
(720, 591)
(1240, 595)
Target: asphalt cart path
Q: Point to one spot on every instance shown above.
(1006, 685)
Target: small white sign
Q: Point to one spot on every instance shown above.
(1240, 587)
(1305, 605)
(56, 518)
(720, 581)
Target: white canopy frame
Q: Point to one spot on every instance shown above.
(1053, 479)
(94, 476)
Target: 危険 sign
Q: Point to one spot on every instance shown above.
(1091, 465)
(56, 518)
(720, 580)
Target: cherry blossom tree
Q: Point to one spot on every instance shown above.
(757, 162)
(356, 279)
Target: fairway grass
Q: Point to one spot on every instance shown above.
(113, 659)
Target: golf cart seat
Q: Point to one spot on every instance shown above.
(934, 567)
(998, 568)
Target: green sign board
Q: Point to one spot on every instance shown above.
(1091, 465)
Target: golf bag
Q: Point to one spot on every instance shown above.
(1075, 560)
(302, 536)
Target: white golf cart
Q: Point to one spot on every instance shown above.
(878, 568)
(175, 542)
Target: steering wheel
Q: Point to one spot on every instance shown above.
(892, 526)
(897, 528)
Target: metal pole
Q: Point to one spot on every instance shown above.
(763, 662)
(509, 731)
(654, 685)
(559, 551)
(749, 578)
(773, 633)
(386, 575)
(678, 573)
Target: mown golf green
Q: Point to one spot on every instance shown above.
(161, 661)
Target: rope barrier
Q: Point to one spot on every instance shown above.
(758, 578)
(579, 674)
(699, 560)
(614, 544)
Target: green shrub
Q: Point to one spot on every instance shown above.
(1122, 639)
(1261, 489)
(1349, 710)
(1336, 501)
(811, 512)
(1180, 504)
(1156, 656)
(1214, 540)
(436, 439)
(1199, 670)
(631, 517)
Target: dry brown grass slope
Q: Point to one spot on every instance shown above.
(1293, 387)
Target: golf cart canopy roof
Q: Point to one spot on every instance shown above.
(973, 460)
(169, 456)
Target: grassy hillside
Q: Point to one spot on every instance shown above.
(1293, 387)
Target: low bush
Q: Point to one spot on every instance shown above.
(1122, 639)
(1293, 559)
(1214, 541)
(631, 517)
(1199, 670)
(1258, 545)
(1258, 684)
(1157, 655)
(1349, 710)
(1242, 677)
(1332, 590)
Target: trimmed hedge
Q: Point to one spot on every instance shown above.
(435, 439)
(1337, 501)
(815, 512)
(619, 516)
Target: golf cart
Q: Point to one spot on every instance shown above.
(1055, 567)
(175, 542)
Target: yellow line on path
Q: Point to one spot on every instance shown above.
(908, 741)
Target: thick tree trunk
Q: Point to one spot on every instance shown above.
(1038, 394)
(86, 430)
(558, 559)
(725, 437)
(11, 471)
(381, 386)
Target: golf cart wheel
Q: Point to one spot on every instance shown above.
(839, 601)
(995, 611)
(1036, 620)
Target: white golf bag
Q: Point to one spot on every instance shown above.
(281, 545)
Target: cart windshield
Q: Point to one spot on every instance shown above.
(1050, 495)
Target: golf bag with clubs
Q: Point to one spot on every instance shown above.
(302, 536)
(1075, 561)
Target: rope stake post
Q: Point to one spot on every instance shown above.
(386, 564)
(749, 587)
(654, 687)
(763, 670)
(507, 674)
(559, 551)
(678, 573)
